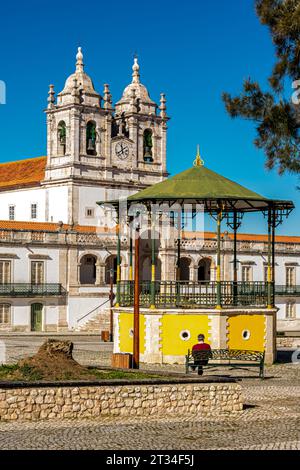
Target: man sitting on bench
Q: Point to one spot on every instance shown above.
(200, 346)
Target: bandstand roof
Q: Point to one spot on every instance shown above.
(201, 185)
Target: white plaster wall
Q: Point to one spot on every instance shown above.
(21, 265)
(280, 270)
(88, 197)
(58, 204)
(281, 304)
(78, 307)
(50, 314)
(20, 313)
(22, 200)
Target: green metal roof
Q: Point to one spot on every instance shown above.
(199, 184)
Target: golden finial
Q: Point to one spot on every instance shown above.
(198, 161)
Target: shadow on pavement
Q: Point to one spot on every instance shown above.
(284, 356)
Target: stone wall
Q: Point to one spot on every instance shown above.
(124, 400)
(288, 342)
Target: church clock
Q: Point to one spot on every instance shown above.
(122, 150)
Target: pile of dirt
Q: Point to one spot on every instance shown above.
(53, 361)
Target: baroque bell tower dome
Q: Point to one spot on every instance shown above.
(139, 91)
(144, 123)
(81, 83)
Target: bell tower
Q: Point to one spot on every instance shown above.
(139, 136)
(78, 128)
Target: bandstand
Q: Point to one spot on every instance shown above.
(158, 320)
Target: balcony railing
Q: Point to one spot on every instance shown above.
(31, 290)
(287, 290)
(188, 294)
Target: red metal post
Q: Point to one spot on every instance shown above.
(136, 312)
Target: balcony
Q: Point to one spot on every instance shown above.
(287, 290)
(188, 294)
(31, 290)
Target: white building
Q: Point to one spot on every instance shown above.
(55, 255)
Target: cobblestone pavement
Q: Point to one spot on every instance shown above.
(270, 420)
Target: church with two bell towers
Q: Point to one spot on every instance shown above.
(100, 151)
(57, 257)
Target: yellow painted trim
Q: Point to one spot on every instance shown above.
(152, 307)
(218, 273)
(269, 274)
(153, 272)
(130, 273)
(118, 273)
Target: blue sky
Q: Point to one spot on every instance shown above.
(190, 50)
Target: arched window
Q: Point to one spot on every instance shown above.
(204, 269)
(91, 138)
(88, 270)
(111, 269)
(61, 138)
(5, 317)
(148, 144)
(185, 269)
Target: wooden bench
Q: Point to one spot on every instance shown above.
(233, 358)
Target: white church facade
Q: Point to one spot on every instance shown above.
(56, 258)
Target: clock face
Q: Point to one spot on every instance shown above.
(122, 150)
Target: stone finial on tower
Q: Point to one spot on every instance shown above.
(163, 106)
(107, 98)
(79, 61)
(136, 71)
(75, 91)
(51, 97)
(133, 106)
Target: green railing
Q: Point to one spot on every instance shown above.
(31, 290)
(188, 294)
(287, 290)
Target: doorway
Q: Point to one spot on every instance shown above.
(36, 317)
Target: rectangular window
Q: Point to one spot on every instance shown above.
(34, 211)
(290, 275)
(11, 212)
(4, 314)
(37, 272)
(89, 212)
(5, 270)
(290, 310)
(246, 273)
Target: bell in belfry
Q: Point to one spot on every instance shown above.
(148, 146)
(91, 144)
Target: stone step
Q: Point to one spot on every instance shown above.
(96, 324)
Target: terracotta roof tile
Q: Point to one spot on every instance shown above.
(244, 237)
(54, 227)
(49, 227)
(29, 172)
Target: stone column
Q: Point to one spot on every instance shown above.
(75, 134)
(168, 265)
(153, 351)
(124, 272)
(270, 336)
(98, 274)
(218, 330)
(163, 146)
(193, 272)
(62, 318)
(102, 273)
(98, 141)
